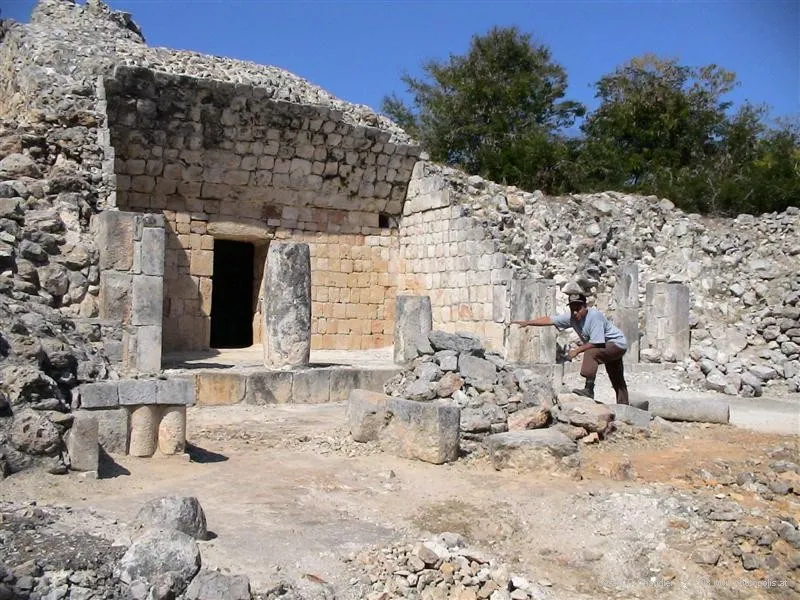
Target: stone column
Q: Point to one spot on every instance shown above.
(144, 428)
(172, 430)
(286, 336)
(82, 442)
(413, 323)
(529, 299)
(667, 320)
(626, 294)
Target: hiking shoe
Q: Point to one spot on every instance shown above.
(585, 392)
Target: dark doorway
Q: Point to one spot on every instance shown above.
(232, 295)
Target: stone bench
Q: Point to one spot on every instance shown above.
(138, 416)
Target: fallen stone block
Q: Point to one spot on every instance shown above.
(540, 450)
(366, 414)
(213, 585)
(589, 415)
(182, 513)
(704, 410)
(632, 415)
(82, 442)
(99, 395)
(427, 431)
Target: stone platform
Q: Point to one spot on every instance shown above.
(225, 377)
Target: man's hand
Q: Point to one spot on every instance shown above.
(573, 352)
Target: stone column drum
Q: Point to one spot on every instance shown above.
(626, 294)
(530, 299)
(413, 323)
(667, 319)
(286, 336)
(172, 430)
(144, 429)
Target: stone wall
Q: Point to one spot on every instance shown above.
(224, 162)
(448, 255)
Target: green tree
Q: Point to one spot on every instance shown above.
(494, 111)
(656, 118)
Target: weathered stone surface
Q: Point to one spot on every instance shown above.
(33, 433)
(589, 415)
(427, 431)
(478, 371)
(533, 450)
(344, 381)
(287, 305)
(26, 384)
(83, 442)
(181, 513)
(459, 342)
(114, 231)
(413, 323)
(215, 389)
(135, 391)
(147, 300)
(18, 165)
(176, 391)
(690, 409)
(213, 585)
(366, 414)
(449, 384)
(144, 430)
(272, 387)
(171, 434)
(311, 386)
(632, 415)
(534, 417)
(158, 552)
(112, 425)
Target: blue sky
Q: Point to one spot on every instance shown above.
(358, 49)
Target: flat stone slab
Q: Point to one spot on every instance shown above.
(541, 450)
(703, 410)
(631, 415)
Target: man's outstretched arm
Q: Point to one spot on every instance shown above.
(537, 322)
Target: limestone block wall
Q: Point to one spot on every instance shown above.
(131, 262)
(446, 254)
(221, 161)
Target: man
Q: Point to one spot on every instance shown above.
(601, 343)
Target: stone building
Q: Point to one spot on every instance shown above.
(190, 166)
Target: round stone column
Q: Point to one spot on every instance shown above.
(144, 428)
(172, 430)
(286, 335)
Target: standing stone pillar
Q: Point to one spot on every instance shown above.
(529, 299)
(626, 294)
(172, 430)
(144, 429)
(286, 335)
(413, 323)
(82, 443)
(667, 319)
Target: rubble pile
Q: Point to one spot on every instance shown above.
(440, 568)
(741, 272)
(50, 337)
(494, 396)
(58, 66)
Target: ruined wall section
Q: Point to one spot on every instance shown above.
(224, 161)
(447, 254)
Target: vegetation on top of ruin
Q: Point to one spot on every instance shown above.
(660, 128)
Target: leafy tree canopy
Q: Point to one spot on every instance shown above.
(493, 111)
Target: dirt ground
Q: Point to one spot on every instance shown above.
(288, 496)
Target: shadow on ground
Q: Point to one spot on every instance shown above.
(201, 455)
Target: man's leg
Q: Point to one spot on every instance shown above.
(616, 373)
(589, 372)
